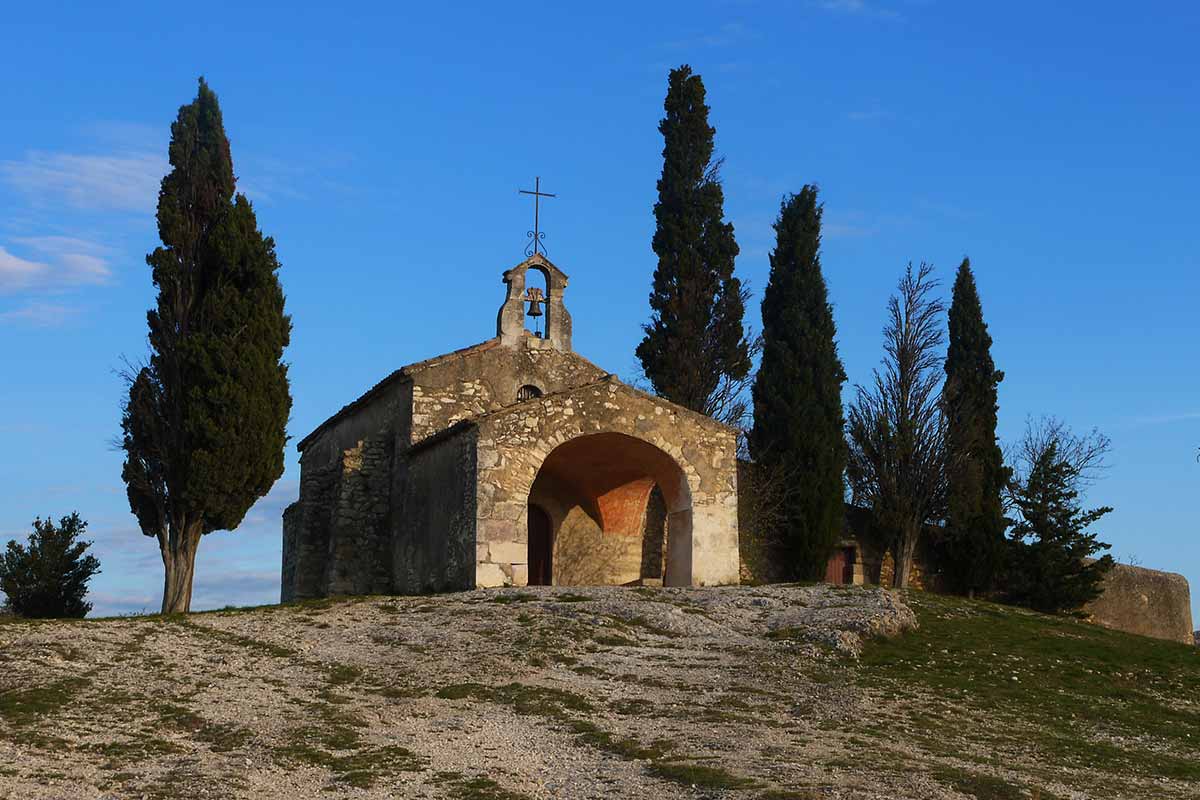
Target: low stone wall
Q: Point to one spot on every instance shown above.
(1146, 602)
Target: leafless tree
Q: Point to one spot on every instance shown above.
(896, 428)
(1084, 454)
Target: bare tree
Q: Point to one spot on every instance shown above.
(1083, 454)
(897, 432)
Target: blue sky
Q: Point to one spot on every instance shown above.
(383, 148)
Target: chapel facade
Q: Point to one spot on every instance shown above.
(512, 462)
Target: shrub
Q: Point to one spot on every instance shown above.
(49, 576)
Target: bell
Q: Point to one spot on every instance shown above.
(535, 300)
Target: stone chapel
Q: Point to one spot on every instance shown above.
(512, 462)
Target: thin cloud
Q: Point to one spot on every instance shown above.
(113, 182)
(1168, 419)
(18, 273)
(235, 587)
(849, 225)
(79, 261)
(39, 315)
(860, 8)
(61, 262)
(869, 115)
(729, 34)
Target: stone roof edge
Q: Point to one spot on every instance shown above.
(444, 434)
(404, 372)
(612, 379)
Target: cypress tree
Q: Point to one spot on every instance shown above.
(203, 428)
(694, 339)
(797, 438)
(974, 546)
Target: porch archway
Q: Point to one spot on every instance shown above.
(596, 490)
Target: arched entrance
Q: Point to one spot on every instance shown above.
(619, 512)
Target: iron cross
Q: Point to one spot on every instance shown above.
(536, 235)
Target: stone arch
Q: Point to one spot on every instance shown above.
(510, 320)
(596, 489)
(528, 391)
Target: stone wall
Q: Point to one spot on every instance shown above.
(585, 555)
(434, 549)
(360, 550)
(1145, 602)
(336, 538)
(306, 534)
(486, 378)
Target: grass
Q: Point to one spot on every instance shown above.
(699, 775)
(981, 786)
(21, 707)
(513, 597)
(523, 698)
(570, 597)
(463, 787)
(1082, 700)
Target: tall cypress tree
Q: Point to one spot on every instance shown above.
(694, 339)
(797, 437)
(203, 428)
(974, 544)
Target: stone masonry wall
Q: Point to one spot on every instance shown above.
(434, 551)
(514, 443)
(306, 534)
(360, 541)
(1145, 602)
(486, 379)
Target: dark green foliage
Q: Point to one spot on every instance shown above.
(48, 577)
(203, 429)
(694, 343)
(972, 551)
(798, 422)
(1051, 569)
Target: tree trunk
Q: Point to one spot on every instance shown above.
(179, 563)
(903, 555)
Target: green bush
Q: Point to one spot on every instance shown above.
(49, 576)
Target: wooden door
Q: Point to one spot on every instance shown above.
(835, 570)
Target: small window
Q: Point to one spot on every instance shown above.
(528, 392)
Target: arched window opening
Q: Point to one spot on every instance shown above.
(536, 295)
(528, 392)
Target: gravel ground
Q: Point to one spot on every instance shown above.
(501, 694)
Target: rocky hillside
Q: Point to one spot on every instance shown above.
(763, 693)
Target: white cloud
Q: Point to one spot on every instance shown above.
(114, 182)
(62, 262)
